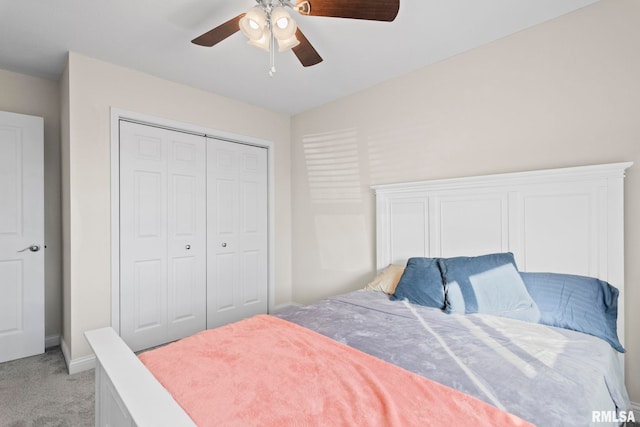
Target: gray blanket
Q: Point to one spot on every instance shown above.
(548, 376)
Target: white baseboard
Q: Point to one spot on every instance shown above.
(76, 365)
(51, 341)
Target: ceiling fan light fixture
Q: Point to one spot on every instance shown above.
(253, 23)
(282, 25)
(263, 42)
(285, 44)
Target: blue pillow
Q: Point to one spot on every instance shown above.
(487, 284)
(421, 283)
(579, 303)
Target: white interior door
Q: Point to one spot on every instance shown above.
(162, 235)
(237, 240)
(21, 236)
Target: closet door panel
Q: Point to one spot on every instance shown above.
(237, 236)
(221, 298)
(186, 234)
(162, 235)
(253, 228)
(148, 296)
(252, 285)
(148, 201)
(143, 236)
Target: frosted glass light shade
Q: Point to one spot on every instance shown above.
(253, 23)
(264, 42)
(287, 43)
(283, 26)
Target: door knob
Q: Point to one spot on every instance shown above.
(32, 248)
(224, 245)
(187, 247)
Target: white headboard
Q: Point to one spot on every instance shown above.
(566, 220)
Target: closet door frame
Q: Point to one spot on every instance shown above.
(118, 114)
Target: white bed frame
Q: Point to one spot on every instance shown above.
(562, 220)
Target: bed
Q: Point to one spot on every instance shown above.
(492, 367)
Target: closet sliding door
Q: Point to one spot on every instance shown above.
(237, 264)
(162, 234)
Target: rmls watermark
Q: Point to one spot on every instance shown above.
(613, 417)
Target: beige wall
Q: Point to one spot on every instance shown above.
(564, 93)
(38, 97)
(95, 86)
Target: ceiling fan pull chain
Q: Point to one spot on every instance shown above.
(272, 53)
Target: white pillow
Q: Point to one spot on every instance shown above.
(387, 280)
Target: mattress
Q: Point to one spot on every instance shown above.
(545, 375)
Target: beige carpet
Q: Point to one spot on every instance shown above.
(38, 392)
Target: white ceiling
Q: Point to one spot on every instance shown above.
(154, 36)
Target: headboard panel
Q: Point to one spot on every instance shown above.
(566, 220)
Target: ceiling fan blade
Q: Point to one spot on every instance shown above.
(306, 53)
(219, 33)
(373, 10)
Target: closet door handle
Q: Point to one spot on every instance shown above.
(32, 248)
(224, 245)
(187, 247)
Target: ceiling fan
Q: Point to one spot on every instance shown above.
(269, 22)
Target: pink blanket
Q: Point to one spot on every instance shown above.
(265, 371)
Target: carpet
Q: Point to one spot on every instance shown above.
(38, 392)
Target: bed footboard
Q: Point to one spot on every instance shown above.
(127, 394)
